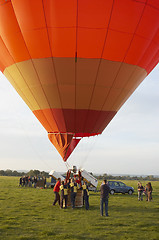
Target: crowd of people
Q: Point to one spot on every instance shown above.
(28, 181)
(73, 184)
(147, 190)
(70, 186)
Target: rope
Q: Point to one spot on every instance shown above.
(91, 146)
(67, 165)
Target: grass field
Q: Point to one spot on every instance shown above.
(27, 213)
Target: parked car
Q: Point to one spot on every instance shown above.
(52, 183)
(120, 187)
(92, 188)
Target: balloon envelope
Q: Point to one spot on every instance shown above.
(74, 62)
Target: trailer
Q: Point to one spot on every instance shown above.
(92, 181)
(54, 176)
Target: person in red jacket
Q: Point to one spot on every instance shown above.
(56, 192)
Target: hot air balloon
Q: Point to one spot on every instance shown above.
(76, 62)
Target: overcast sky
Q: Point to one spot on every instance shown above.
(129, 144)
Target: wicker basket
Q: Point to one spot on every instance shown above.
(78, 200)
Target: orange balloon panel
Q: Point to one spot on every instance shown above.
(75, 63)
(62, 142)
(105, 29)
(72, 146)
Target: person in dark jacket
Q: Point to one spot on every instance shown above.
(20, 181)
(149, 192)
(64, 194)
(73, 188)
(104, 195)
(85, 195)
(35, 181)
(23, 181)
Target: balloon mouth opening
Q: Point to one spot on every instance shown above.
(65, 143)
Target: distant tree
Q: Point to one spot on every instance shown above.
(105, 176)
(151, 177)
(15, 173)
(36, 172)
(44, 174)
(8, 172)
(2, 172)
(31, 173)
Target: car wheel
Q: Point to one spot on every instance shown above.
(130, 192)
(112, 192)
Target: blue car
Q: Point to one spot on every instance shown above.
(120, 187)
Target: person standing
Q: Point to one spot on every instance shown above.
(140, 189)
(64, 194)
(104, 195)
(56, 192)
(26, 181)
(23, 181)
(45, 182)
(35, 181)
(149, 191)
(73, 188)
(20, 181)
(85, 195)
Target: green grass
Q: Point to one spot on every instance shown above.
(28, 214)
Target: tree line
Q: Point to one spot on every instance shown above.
(127, 177)
(33, 173)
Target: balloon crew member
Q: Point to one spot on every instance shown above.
(68, 182)
(73, 188)
(64, 194)
(56, 192)
(82, 183)
(79, 179)
(68, 174)
(85, 195)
